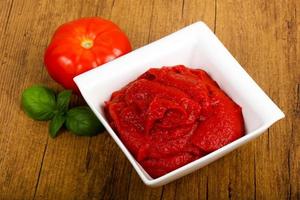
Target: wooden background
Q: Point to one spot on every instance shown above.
(263, 35)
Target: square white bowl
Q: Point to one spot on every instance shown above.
(194, 46)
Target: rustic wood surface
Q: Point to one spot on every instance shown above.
(263, 35)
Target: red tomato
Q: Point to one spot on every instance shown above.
(81, 45)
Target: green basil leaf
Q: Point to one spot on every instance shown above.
(82, 121)
(63, 100)
(39, 102)
(56, 123)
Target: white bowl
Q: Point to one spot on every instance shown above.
(194, 46)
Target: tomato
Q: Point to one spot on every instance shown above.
(81, 45)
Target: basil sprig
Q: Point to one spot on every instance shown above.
(80, 121)
(56, 123)
(63, 100)
(41, 103)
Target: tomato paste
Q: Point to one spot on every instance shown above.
(171, 116)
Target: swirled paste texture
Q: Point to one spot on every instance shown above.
(171, 116)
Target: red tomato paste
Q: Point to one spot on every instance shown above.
(171, 116)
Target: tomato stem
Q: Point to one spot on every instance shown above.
(87, 44)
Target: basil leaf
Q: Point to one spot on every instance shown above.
(39, 102)
(82, 121)
(56, 123)
(63, 100)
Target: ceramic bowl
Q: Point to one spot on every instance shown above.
(194, 46)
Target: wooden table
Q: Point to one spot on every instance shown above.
(263, 35)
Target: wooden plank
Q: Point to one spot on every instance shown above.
(167, 17)
(231, 177)
(64, 174)
(5, 16)
(193, 186)
(293, 58)
(22, 141)
(160, 25)
(106, 171)
(139, 35)
(262, 36)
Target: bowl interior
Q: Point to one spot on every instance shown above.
(194, 46)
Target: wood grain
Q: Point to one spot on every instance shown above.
(264, 37)
(264, 41)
